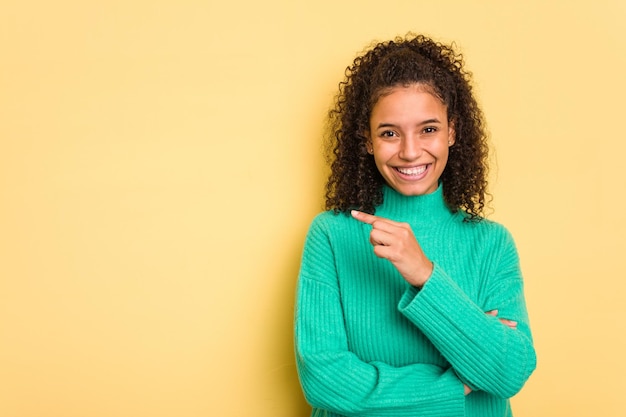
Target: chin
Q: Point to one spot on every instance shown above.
(414, 190)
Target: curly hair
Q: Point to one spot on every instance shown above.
(354, 181)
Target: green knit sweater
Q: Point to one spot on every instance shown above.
(369, 344)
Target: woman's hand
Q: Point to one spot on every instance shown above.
(512, 324)
(396, 242)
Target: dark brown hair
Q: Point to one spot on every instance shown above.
(354, 181)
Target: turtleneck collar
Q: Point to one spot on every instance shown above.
(420, 209)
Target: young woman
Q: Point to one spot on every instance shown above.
(409, 302)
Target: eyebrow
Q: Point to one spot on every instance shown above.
(425, 122)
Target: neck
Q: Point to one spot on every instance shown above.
(419, 209)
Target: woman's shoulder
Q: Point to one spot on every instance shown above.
(489, 231)
(330, 220)
(332, 228)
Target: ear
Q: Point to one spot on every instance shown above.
(451, 133)
(368, 143)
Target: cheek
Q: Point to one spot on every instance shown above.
(383, 151)
(442, 149)
(441, 153)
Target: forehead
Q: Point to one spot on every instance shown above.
(412, 102)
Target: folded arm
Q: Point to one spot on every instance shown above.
(335, 379)
(487, 354)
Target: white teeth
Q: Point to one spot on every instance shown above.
(412, 171)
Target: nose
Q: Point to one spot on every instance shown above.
(410, 149)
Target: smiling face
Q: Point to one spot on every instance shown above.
(409, 137)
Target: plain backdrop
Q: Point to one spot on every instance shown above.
(160, 162)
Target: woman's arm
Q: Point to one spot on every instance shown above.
(487, 354)
(333, 378)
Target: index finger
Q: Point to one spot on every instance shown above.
(364, 217)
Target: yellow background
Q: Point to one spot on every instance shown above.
(160, 162)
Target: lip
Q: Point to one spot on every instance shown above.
(412, 177)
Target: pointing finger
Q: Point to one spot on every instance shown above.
(364, 217)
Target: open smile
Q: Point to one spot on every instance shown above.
(412, 173)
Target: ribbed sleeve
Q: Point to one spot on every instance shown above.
(334, 378)
(486, 354)
(369, 344)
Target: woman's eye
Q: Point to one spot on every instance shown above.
(430, 130)
(387, 134)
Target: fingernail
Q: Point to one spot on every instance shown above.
(354, 213)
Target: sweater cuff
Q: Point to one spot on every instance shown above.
(438, 301)
(412, 293)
